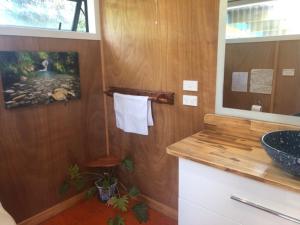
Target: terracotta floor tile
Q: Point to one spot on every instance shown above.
(92, 212)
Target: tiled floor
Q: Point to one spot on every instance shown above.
(92, 212)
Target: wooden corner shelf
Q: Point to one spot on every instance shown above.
(105, 162)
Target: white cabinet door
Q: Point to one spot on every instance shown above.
(192, 214)
(211, 188)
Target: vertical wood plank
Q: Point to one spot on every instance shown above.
(155, 45)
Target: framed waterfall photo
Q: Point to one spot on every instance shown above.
(30, 78)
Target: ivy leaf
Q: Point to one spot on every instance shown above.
(117, 220)
(128, 164)
(141, 212)
(133, 192)
(63, 189)
(120, 203)
(91, 192)
(74, 172)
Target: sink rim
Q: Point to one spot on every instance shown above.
(275, 149)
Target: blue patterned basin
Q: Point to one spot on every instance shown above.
(284, 148)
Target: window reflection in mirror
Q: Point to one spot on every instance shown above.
(262, 56)
(247, 19)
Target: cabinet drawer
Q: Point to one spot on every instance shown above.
(212, 189)
(192, 214)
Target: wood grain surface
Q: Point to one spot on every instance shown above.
(244, 57)
(277, 55)
(287, 93)
(155, 45)
(154, 96)
(233, 144)
(106, 161)
(38, 143)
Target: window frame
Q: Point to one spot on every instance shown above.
(288, 37)
(9, 30)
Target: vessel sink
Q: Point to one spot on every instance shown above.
(284, 149)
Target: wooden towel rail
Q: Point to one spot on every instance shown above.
(154, 96)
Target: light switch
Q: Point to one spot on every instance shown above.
(190, 85)
(190, 100)
(288, 72)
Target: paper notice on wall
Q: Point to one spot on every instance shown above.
(261, 81)
(239, 81)
(288, 72)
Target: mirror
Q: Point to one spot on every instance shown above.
(261, 58)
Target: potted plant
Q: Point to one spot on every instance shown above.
(107, 187)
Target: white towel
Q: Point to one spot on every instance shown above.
(133, 113)
(5, 218)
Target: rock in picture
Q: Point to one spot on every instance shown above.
(30, 78)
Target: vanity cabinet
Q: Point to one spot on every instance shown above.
(205, 198)
(227, 178)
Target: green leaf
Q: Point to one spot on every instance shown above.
(133, 192)
(128, 164)
(141, 212)
(110, 221)
(106, 182)
(79, 183)
(91, 192)
(63, 189)
(74, 172)
(117, 220)
(120, 203)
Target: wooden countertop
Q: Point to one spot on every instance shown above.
(233, 145)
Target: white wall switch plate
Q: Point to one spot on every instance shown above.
(288, 72)
(190, 100)
(190, 85)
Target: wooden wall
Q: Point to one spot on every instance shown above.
(244, 57)
(38, 143)
(279, 55)
(287, 92)
(142, 53)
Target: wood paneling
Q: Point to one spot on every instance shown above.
(287, 93)
(155, 45)
(265, 55)
(233, 144)
(38, 143)
(158, 206)
(243, 58)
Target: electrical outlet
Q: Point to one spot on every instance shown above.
(190, 85)
(190, 100)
